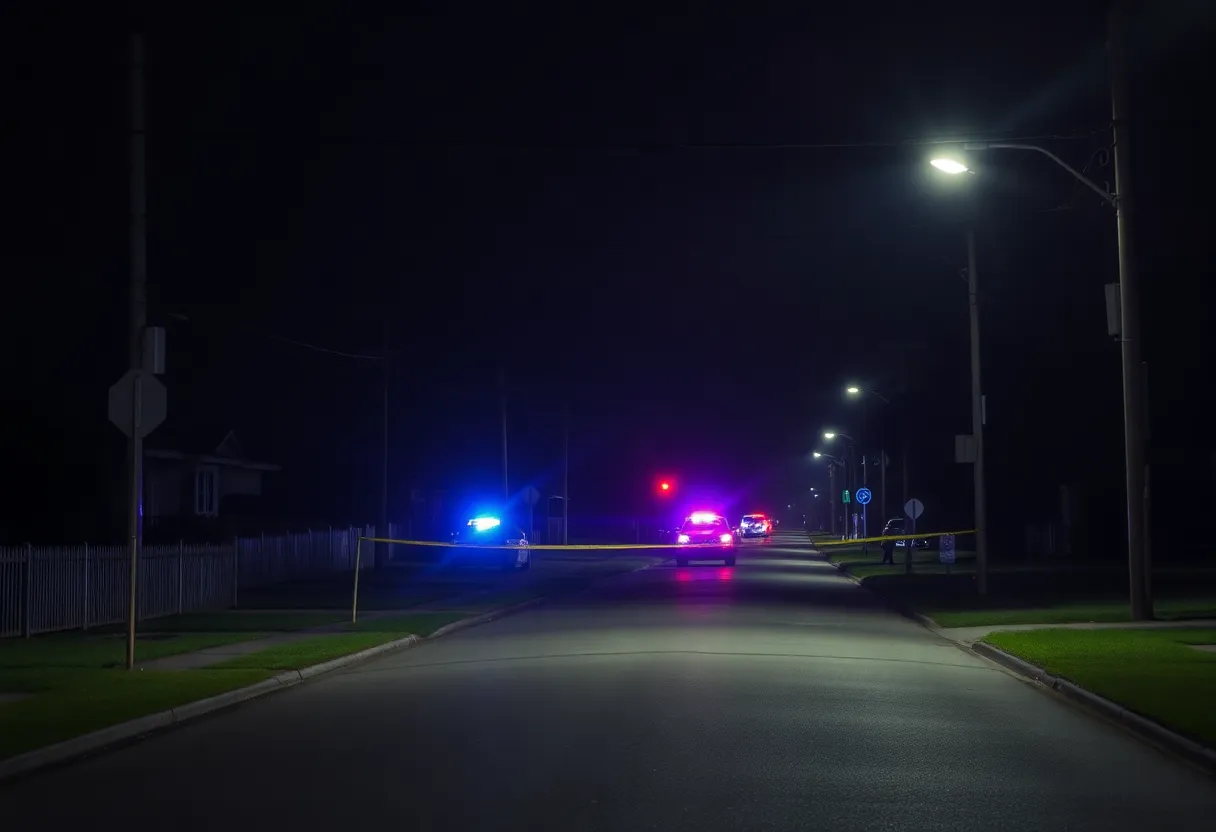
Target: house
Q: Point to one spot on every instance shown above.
(192, 491)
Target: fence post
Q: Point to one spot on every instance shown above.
(181, 563)
(29, 590)
(354, 598)
(235, 569)
(84, 590)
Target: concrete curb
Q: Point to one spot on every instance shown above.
(1146, 729)
(97, 740)
(486, 618)
(907, 612)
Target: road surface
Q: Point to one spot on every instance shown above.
(775, 695)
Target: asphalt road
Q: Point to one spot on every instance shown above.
(776, 695)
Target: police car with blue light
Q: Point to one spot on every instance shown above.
(487, 540)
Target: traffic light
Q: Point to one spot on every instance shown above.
(666, 487)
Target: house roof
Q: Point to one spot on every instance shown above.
(228, 451)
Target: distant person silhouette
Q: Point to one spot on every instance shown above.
(888, 551)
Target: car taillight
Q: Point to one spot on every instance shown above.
(726, 538)
(683, 539)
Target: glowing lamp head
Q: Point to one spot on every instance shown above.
(950, 166)
(829, 435)
(665, 486)
(852, 391)
(817, 455)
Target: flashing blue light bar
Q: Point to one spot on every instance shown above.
(482, 524)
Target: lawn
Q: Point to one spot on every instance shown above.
(1166, 609)
(394, 588)
(356, 637)
(76, 684)
(1025, 593)
(73, 651)
(230, 621)
(1155, 673)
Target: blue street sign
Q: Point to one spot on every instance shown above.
(864, 496)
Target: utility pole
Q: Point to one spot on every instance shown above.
(882, 493)
(502, 387)
(566, 479)
(832, 494)
(1129, 324)
(907, 495)
(382, 550)
(977, 425)
(138, 321)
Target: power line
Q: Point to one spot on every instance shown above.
(527, 144)
(315, 347)
(292, 341)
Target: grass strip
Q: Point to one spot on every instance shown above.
(1156, 673)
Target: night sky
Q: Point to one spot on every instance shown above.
(693, 228)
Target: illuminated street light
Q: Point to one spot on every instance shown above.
(857, 391)
(951, 166)
(1127, 331)
(827, 434)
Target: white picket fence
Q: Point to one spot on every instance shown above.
(48, 588)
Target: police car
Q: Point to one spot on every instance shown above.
(708, 532)
(506, 546)
(755, 525)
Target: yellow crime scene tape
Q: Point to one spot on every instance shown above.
(912, 536)
(546, 547)
(593, 546)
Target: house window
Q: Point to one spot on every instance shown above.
(206, 492)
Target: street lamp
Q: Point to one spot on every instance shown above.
(857, 392)
(858, 481)
(832, 463)
(1129, 315)
(951, 166)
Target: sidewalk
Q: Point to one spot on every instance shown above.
(970, 635)
(214, 655)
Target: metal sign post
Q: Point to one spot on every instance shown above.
(946, 552)
(864, 495)
(913, 509)
(531, 497)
